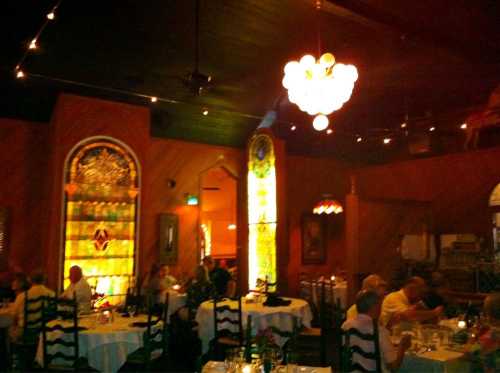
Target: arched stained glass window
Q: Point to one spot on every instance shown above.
(262, 218)
(101, 194)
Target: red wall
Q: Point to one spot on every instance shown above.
(458, 187)
(23, 175)
(307, 180)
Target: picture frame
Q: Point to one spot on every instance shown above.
(169, 237)
(313, 239)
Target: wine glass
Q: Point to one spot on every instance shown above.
(132, 310)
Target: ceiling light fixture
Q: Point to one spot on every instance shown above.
(20, 74)
(319, 87)
(463, 126)
(205, 112)
(293, 128)
(320, 122)
(387, 140)
(154, 99)
(359, 139)
(32, 44)
(403, 125)
(51, 16)
(432, 129)
(329, 131)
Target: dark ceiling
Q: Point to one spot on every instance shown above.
(430, 59)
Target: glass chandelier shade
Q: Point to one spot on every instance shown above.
(319, 87)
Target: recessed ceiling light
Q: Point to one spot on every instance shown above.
(205, 112)
(359, 139)
(387, 140)
(293, 128)
(432, 129)
(463, 126)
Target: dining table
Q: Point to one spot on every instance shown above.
(263, 316)
(432, 349)
(220, 367)
(311, 290)
(104, 345)
(176, 300)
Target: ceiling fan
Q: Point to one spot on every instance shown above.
(196, 81)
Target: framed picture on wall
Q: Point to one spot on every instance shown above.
(169, 224)
(313, 239)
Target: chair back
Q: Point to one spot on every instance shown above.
(356, 348)
(226, 315)
(32, 319)
(67, 339)
(155, 336)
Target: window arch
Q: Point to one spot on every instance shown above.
(101, 189)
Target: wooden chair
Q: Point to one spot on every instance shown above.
(228, 337)
(349, 349)
(24, 349)
(155, 339)
(53, 307)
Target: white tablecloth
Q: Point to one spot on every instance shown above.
(105, 346)
(339, 290)
(262, 317)
(219, 367)
(440, 361)
(176, 300)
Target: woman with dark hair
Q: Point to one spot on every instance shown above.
(151, 286)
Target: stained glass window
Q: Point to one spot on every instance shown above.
(101, 192)
(261, 210)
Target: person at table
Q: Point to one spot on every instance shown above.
(405, 304)
(199, 289)
(36, 291)
(20, 283)
(489, 335)
(166, 280)
(368, 304)
(372, 282)
(218, 276)
(78, 289)
(152, 285)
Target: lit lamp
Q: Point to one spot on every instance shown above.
(319, 87)
(328, 206)
(191, 200)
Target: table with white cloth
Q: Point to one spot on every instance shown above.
(440, 361)
(219, 367)
(312, 292)
(262, 317)
(105, 346)
(176, 300)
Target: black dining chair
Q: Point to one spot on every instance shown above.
(56, 314)
(154, 350)
(351, 350)
(231, 335)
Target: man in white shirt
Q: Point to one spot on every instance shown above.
(368, 304)
(79, 289)
(404, 304)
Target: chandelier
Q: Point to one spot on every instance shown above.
(328, 206)
(319, 87)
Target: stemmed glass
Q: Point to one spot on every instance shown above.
(132, 310)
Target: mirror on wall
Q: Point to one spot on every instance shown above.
(218, 213)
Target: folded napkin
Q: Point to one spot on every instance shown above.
(275, 301)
